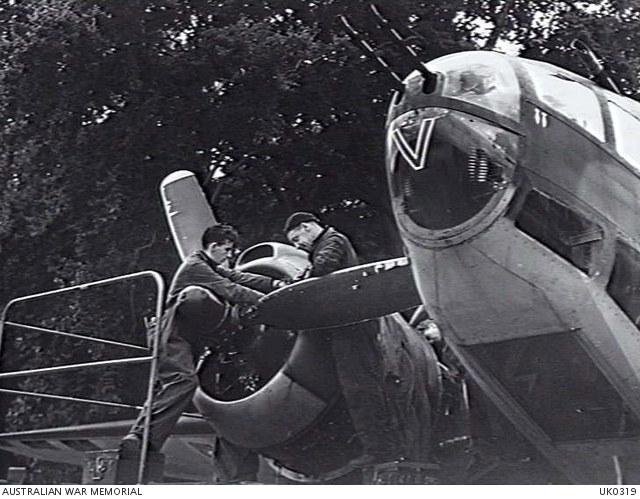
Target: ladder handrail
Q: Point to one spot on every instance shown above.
(69, 399)
(86, 401)
(55, 332)
(153, 368)
(71, 367)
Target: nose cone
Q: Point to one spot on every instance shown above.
(448, 169)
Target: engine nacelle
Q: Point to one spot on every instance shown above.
(299, 417)
(274, 260)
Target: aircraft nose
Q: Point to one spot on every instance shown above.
(448, 167)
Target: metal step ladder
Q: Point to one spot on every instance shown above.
(100, 465)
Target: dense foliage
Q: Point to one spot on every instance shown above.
(267, 101)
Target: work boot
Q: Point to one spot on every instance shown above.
(130, 446)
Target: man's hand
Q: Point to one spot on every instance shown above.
(303, 274)
(280, 283)
(243, 314)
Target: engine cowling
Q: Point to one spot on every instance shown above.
(298, 417)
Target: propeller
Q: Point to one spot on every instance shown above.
(344, 297)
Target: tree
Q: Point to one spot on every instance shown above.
(268, 102)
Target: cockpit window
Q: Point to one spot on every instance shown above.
(481, 78)
(564, 94)
(625, 115)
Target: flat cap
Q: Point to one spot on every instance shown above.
(297, 218)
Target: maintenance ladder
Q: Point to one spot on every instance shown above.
(151, 359)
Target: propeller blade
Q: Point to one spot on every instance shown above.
(347, 296)
(187, 210)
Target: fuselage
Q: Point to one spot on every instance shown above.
(515, 186)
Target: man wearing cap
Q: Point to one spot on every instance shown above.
(355, 348)
(328, 249)
(197, 303)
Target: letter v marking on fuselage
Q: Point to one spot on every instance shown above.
(417, 158)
